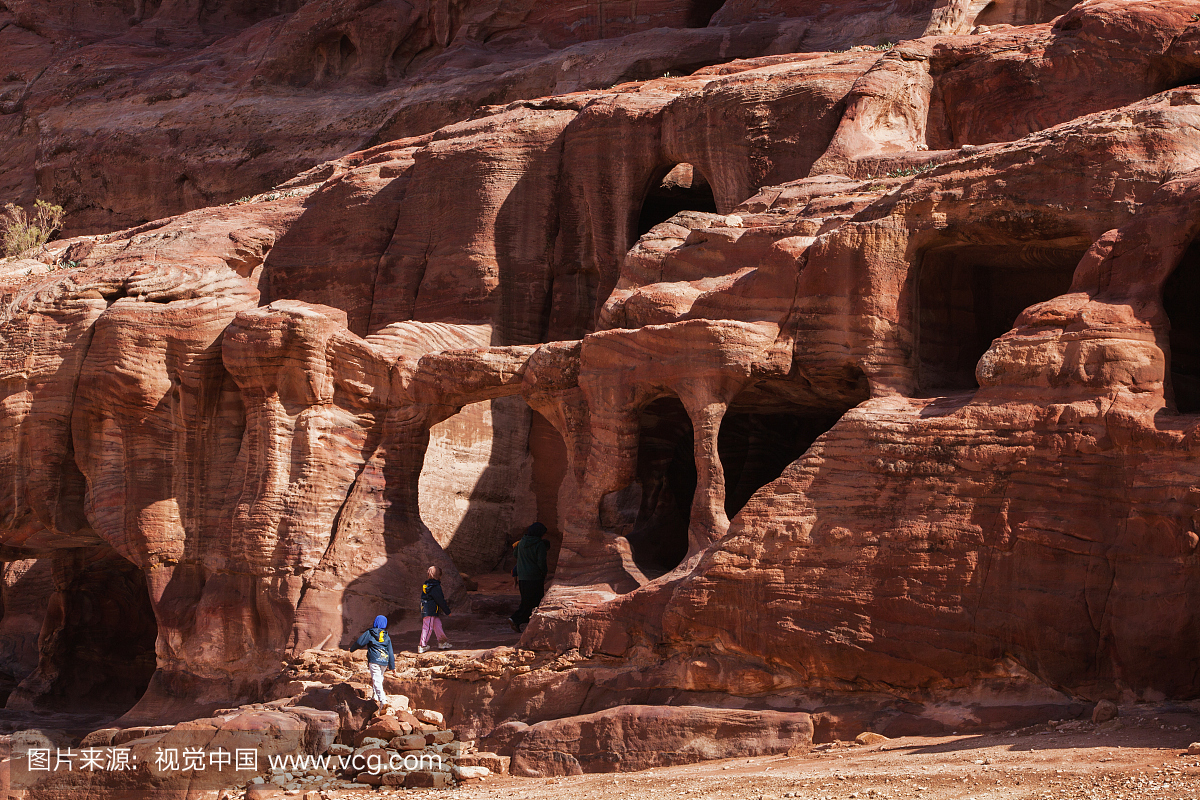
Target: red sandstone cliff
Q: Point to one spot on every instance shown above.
(901, 402)
(125, 111)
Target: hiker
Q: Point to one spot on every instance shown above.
(379, 653)
(433, 602)
(530, 573)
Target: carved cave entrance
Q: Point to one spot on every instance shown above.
(1022, 12)
(488, 472)
(1180, 294)
(334, 59)
(969, 295)
(700, 12)
(96, 648)
(755, 445)
(681, 188)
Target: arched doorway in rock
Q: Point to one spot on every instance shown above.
(97, 643)
(673, 189)
(967, 295)
(489, 471)
(1022, 12)
(1180, 291)
(653, 512)
(761, 433)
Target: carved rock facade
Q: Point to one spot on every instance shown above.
(870, 372)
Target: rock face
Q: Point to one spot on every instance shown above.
(126, 112)
(856, 374)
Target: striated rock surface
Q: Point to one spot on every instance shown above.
(860, 386)
(626, 738)
(125, 112)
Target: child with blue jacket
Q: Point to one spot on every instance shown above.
(433, 602)
(379, 653)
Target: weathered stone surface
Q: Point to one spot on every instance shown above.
(901, 403)
(28, 586)
(353, 705)
(638, 737)
(494, 763)
(426, 779)
(231, 99)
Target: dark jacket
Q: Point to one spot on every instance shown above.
(433, 602)
(379, 647)
(531, 558)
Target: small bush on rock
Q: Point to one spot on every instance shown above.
(23, 231)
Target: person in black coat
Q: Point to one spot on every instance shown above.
(433, 602)
(530, 573)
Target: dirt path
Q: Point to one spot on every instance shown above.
(1135, 762)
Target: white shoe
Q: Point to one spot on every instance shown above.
(421, 648)
(445, 645)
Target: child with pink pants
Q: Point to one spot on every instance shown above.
(433, 602)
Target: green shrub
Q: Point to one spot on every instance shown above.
(907, 171)
(22, 231)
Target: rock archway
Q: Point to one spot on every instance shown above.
(674, 189)
(1180, 294)
(96, 648)
(969, 295)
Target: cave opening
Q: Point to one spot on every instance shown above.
(969, 295)
(1179, 300)
(700, 12)
(347, 55)
(96, 649)
(487, 473)
(681, 188)
(756, 447)
(653, 512)
(334, 59)
(759, 437)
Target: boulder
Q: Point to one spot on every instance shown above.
(385, 728)
(870, 737)
(394, 778)
(427, 779)
(411, 742)
(640, 737)
(429, 717)
(495, 764)
(1104, 711)
(469, 773)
